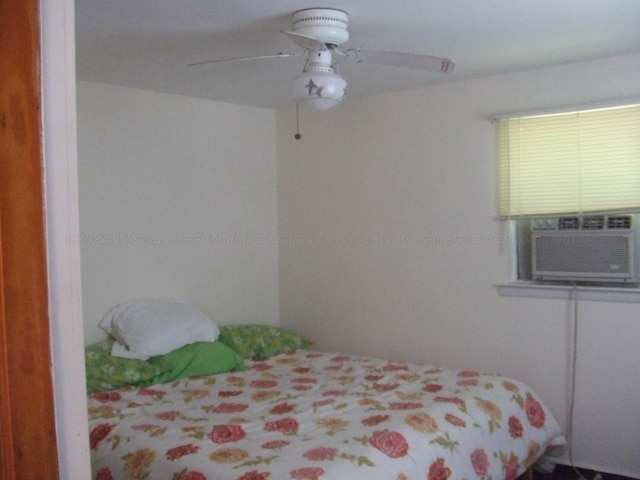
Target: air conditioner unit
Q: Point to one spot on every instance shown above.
(597, 248)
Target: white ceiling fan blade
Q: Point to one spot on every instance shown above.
(242, 59)
(401, 59)
(305, 41)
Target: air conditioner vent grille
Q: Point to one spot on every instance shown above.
(583, 254)
(593, 223)
(619, 222)
(568, 223)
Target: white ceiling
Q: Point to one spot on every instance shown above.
(148, 43)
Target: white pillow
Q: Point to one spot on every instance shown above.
(146, 328)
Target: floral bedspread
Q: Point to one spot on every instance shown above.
(326, 416)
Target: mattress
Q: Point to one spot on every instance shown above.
(307, 414)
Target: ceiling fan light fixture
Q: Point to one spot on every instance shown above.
(328, 25)
(319, 90)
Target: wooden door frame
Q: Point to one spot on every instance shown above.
(7, 464)
(29, 446)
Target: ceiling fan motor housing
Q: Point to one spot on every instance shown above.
(328, 25)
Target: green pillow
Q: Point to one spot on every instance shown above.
(106, 372)
(261, 340)
(196, 359)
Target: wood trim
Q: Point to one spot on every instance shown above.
(29, 447)
(7, 462)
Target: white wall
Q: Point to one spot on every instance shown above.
(177, 199)
(389, 246)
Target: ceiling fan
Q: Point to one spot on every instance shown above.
(320, 31)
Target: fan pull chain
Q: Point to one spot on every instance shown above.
(297, 136)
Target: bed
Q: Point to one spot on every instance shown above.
(276, 409)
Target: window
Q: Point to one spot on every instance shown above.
(570, 163)
(571, 183)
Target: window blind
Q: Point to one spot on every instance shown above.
(569, 163)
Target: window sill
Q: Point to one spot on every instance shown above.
(628, 294)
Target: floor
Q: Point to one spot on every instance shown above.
(564, 472)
